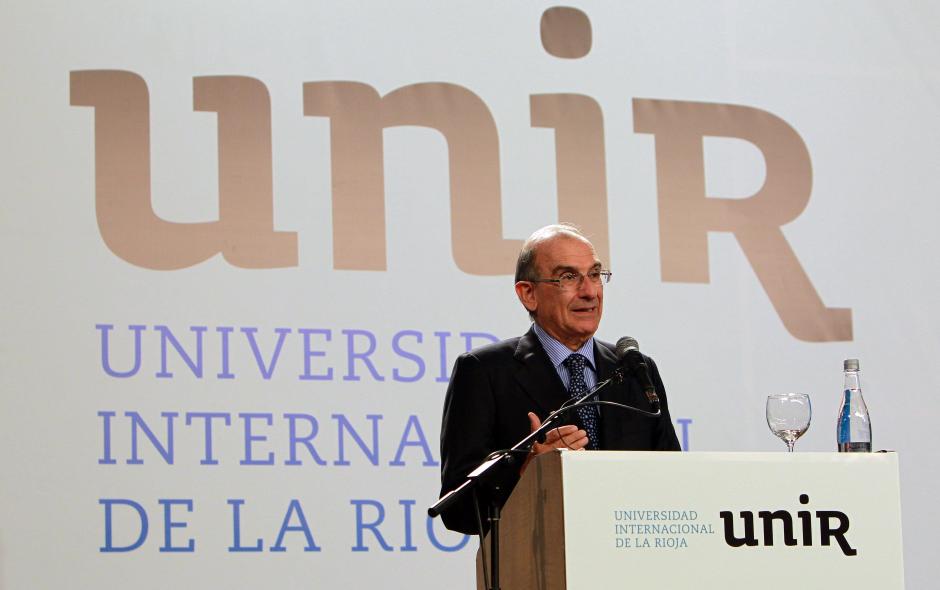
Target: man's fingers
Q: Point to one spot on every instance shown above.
(562, 431)
(534, 422)
(567, 436)
(578, 441)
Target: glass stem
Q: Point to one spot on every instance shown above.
(790, 444)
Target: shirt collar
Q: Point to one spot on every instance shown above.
(558, 352)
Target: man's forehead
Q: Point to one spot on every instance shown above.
(566, 251)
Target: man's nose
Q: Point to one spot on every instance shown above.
(588, 289)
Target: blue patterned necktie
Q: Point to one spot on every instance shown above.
(577, 387)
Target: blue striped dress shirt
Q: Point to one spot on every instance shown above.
(558, 352)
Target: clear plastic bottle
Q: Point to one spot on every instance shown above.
(853, 430)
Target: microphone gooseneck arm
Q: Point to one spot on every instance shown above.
(584, 400)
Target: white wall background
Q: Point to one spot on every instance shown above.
(858, 80)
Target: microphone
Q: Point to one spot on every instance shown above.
(628, 353)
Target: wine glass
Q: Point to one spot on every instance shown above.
(788, 416)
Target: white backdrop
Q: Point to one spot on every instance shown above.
(284, 347)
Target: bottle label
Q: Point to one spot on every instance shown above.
(853, 425)
(844, 431)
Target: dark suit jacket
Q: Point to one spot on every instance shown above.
(493, 388)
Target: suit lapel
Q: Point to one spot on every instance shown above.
(537, 376)
(611, 429)
(605, 360)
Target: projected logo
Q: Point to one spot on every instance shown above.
(244, 233)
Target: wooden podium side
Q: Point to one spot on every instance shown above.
(532, 539)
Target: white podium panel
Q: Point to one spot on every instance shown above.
(775, 521)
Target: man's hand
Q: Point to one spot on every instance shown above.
(561, 437)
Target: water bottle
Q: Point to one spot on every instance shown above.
(853, 431)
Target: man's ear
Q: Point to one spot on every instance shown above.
(525, 291)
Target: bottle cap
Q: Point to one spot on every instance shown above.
(850, 365)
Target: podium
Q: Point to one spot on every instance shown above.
(773, 521)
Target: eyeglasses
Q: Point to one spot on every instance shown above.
(572, 280)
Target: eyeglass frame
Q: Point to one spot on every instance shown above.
(603, 278)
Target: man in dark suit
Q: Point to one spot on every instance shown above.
(500, 393)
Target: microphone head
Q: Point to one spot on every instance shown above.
(626, 345)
